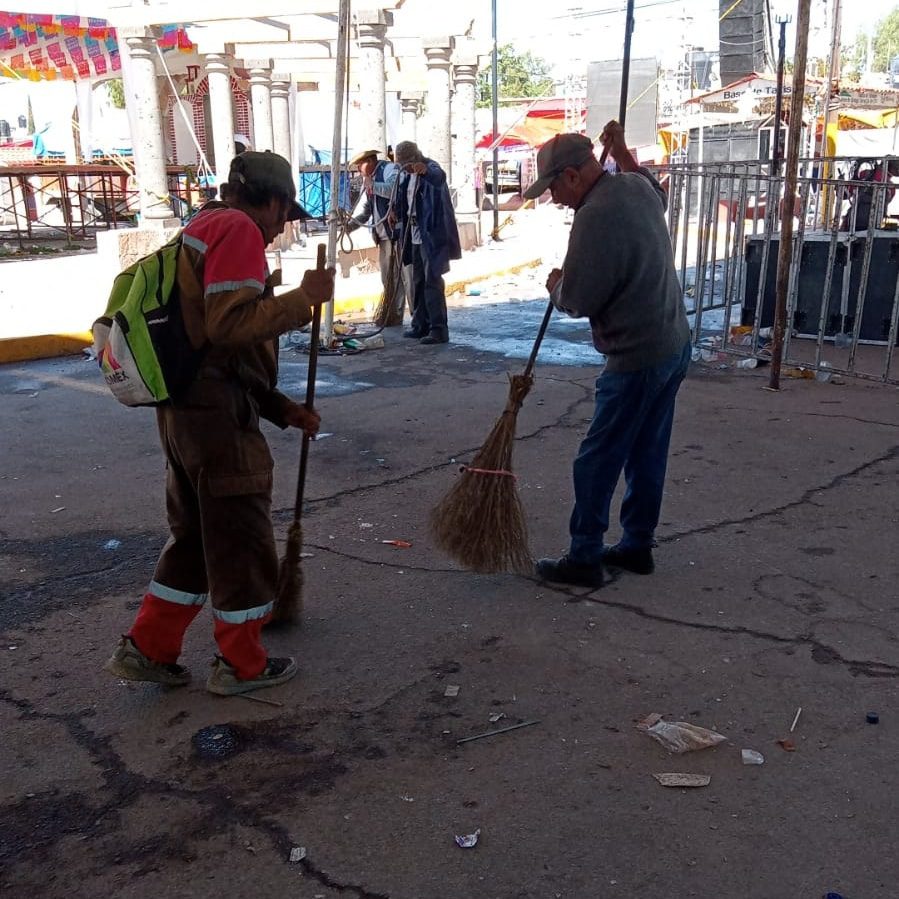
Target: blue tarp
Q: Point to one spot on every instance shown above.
(315, 187)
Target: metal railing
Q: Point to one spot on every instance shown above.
(843, 297)
(72, 202)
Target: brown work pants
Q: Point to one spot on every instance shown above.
(218, 497)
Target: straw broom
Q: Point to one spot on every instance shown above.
(394, 273)
(480, 522)
(288, 606)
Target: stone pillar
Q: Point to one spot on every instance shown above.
(221, 112)
(155, 208)
(281, 115)
(435, 140)
(465, 75)
(261, 98)
(371, 29)
(410, 104)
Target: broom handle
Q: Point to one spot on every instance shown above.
(625, 72)
(543, 326)
(310, 390)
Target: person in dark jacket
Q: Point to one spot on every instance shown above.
(423, 209)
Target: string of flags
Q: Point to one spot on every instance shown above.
(50, 47)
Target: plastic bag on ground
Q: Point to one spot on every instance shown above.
(679, 736)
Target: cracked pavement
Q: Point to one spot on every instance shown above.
(775, 589)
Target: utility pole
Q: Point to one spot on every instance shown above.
(495, 100)
(783, 21)
(833, 74)
(785, 253)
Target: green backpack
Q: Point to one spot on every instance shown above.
(140, 341)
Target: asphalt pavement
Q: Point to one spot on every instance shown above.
(775, 590)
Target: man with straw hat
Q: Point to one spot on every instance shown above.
(219, 468)
(379, 178)
(619, 272)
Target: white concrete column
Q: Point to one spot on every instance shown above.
(371, 29)
(261, 98)
(298, 138)
(410, 105)
(435, 140)
(221, 112)
(281, 85)
(465, 76)
(155, 207)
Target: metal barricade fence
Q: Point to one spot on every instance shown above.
(72, 202)
(724, 220)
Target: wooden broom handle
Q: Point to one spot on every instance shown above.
(314, 338)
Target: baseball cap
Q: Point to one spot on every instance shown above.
(269, 173)
(359, 158)
(556, 155)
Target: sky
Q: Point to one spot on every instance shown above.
(573, 32)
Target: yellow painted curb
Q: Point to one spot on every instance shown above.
(366, 302)
(43, 346)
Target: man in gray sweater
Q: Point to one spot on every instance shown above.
(619, 272)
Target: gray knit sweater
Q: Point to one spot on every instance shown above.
(619, 272)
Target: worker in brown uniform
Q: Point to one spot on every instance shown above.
(219, 468)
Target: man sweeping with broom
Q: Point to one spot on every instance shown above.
(619, 272)
(219, 468)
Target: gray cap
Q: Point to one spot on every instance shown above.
(269, 173)
(561, 152)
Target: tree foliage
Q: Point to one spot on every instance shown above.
(116, 90)
(518, 75)
(886, 41)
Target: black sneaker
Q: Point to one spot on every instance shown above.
(639, 561)
(412, 334)
(435, 337)
(565, 571)
(224, 680)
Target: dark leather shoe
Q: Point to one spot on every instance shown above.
(435, 337)
(564, 571)
(412, 334)
(639, 561)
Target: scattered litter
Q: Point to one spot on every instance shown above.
(112, 544)
(261, 699)
(749, 362)
(787, 745)
(493, 733)
(250, 848)
(298, 853)
(365, 524)
(468, 841)
(399, 544)
(60, 509)
(796, 719)
(307, 555)
(322, 436)
(751, 757)
(451, 690)
(407, 799)
(473, 292)
(375, 342)
(679, 736)
(872, 718)
(493, 717)
(683, 780)
(801, 372)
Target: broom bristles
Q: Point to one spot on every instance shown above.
(288, 606)
(480, 522)
(385, 303)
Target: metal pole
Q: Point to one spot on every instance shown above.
(833, 68)
(626, 62)
(783, 21)
(495, 103)
(343, 30)
(786, 232)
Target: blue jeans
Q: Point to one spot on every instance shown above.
(631, 429)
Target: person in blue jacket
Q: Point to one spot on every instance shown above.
(378, 187)
(423, 210)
